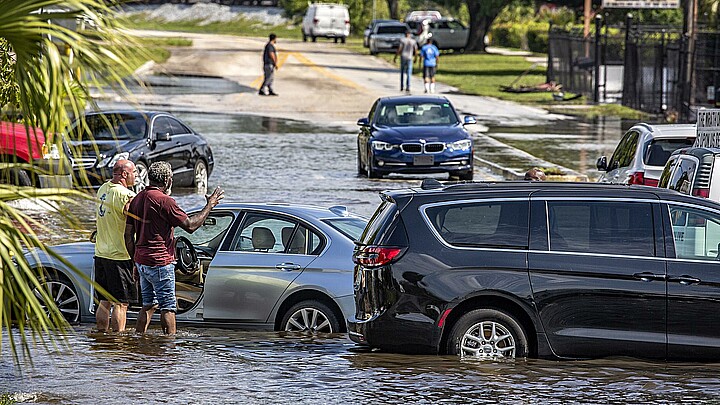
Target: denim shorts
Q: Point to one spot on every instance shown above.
(157, 286)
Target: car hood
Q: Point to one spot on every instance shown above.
(92, 148)
(427, 133)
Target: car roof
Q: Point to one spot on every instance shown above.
(433, 188)
(669, 130)
(148, 113)
(304, 210)
(697, 152)
(416, 99)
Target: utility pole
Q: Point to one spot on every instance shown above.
(374, 12)
(690, 33)
(587, 13)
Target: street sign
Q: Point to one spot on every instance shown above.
(708, 128)
(641, 3)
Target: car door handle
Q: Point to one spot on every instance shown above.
(647, 276)
(288, 266)
(685, 280)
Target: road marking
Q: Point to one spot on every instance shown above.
(258, 81)
(323, 71)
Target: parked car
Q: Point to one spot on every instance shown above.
(326, 20)
(414, 134)
(143, 137)
(386, 37)
(447, 34)
(260, 266)
(642, 153)
(560, 270)
(367, 33)
(419, 15)
(694, 171)
(19, 146)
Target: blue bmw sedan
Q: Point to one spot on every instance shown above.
(414, 134)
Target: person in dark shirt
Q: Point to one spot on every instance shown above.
(150, 241)
(270, 65)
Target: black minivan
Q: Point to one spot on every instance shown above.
(530, 269)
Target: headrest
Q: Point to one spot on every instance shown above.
(298, 242)
(262, 238)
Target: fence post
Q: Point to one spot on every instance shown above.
(550, 72)
(598, 47)
(628, 88)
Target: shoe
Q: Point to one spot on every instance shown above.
(261, 93)
(407, 91)
(272, 93)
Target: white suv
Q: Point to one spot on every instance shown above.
(326, 20)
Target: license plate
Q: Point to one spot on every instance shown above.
(423, 160)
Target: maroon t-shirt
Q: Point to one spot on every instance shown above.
(155, 215)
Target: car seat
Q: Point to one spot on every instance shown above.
(296, 245)
(262, 239)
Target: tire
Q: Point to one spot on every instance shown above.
(370, 171)
(141, 179)
(65, 297)
(310, 316)
(343, 39)
(460, 50)
(336, 40)
(200, 176)
(360, 168)
(304, 36)
(466, 176)
(314, 38)
(466, 341)
(16, 177)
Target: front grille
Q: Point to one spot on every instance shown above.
(84, 162)
(703, 175)
(436, 147)
(411, 148)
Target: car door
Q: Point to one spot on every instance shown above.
(693, 235)
(182, 153)
(457, 35)
(619, 164)
(599, 284)
(439, 33)
(267, 252)
(161, 149)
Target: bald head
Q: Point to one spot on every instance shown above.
(124, 173)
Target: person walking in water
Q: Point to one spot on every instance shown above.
(408, 53)
(430, 54)
(113, 265)
(270, 65)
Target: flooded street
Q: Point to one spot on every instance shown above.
(223, 366)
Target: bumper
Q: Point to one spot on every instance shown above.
(398, 334)
(448, 166)
(330, 33)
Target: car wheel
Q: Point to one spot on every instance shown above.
(467, 175)
(63, 295)
(200, 181)
(336, 39)
(370, 171)
(314, 38)
(310, 316)
(343, 39)
(304, 37)
(16, 177)
(141, 179)
(460, 50)
(487, 334)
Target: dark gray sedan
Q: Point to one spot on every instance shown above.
(257, 266)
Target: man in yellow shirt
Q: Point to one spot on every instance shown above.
(113, 265)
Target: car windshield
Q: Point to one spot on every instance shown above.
(409, 114)
(658, 151)
(350, 227)
(112, 126)
(392, 29)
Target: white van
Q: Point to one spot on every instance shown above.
(326, 20)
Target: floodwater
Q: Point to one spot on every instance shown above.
(215, 366)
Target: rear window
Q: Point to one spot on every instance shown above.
(350, 227)
(658, 151)
(379, 221)
(684, 175)
(391, 29)
(482, 224)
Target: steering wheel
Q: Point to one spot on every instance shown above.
(186, 256)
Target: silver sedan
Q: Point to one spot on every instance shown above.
(256, 266)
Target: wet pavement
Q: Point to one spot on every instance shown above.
(218, 366)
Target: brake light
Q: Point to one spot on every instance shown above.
(652, 182)
(347, 21)
(375, 256)
(315, 21)
(701, 192)
(636, 178)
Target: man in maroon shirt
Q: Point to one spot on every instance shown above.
(150, 241)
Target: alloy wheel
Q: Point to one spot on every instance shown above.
(65, 298)
(201, 177)
(308, 320)
(487, 339)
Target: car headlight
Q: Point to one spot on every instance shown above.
(463, 145)
(380, 145)
(110, 161)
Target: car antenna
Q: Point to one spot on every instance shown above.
(430, 184)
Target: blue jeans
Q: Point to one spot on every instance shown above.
(157, 286)
(405, 70)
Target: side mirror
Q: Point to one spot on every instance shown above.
(469, 120)
(162, 136)
(602, 164)
(363, 122)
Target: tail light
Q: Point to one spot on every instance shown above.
(347, 22)
(376, 256)
(652, 182)
(701, 192)
(315, 21)
(639, 178)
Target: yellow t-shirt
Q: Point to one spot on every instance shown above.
(110, 241)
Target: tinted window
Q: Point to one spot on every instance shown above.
(410, 114)
(109, 127)
(391, 29)
(602, 227)
(443, 25)
(178, 128)
(625, 151)
(300, 241)
(658, 151)
(683, 177)
(667, 170)
(350, 227)
(696, 233)
(482, 224)
(162, 126)
(455, 25)
(379, 221)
